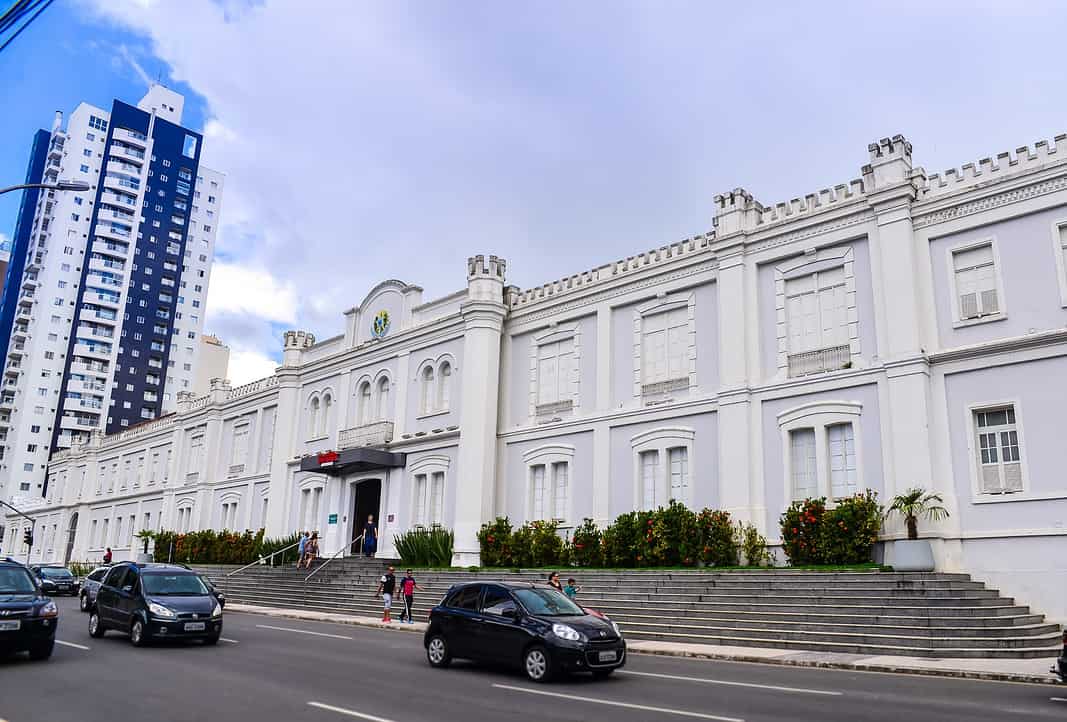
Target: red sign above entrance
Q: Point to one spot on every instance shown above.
(327, 457)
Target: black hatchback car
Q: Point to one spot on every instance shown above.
(55, 579)
(154, 602)
(28, 618)
(531, 626)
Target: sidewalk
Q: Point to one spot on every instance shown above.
(1000, 670)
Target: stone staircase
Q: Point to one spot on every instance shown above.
(863, 612)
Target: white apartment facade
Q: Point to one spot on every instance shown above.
(111, 307)
(902, 329)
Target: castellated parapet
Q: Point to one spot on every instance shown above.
(1006, 163)
(478, 267)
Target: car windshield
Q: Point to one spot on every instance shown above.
(547, 603)
(15, 580)
(172, 585)
(56, 573)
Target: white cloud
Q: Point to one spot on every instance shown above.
(237, 289)
(249, 365)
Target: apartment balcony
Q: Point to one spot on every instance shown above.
(103, 264)
(92, 406)
(136, 139)
(24, 314)
(111, 248)
(102, 299)
(120, 200)
(13, 369)
(78, 423)
(95, 280)
(16, 350)
(7, 402)
(108, 214)
(106, 230)
(820, 361)
(29, 282)
(104, 334)
(114, 165)
(93, 369)
(92, 352)
(378, 433)
(99, 315)
(78, 386)
(20, 332)
(127, 153)
(121, 184)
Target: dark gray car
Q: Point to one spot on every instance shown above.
(90, 586)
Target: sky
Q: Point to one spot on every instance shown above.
(370, 140)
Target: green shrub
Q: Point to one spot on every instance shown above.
(800, 531)
(495, 542)
(752, 546)
(618, 541)
(675, 536)
(546, 546)
(586, 549)
(425, 547)
(522, 547)
(849, 530)
(718, 542)
(225, 547)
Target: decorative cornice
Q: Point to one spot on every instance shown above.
(1006, 345)
(1015, 195)
(854, 219)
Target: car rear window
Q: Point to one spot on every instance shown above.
(16, 580)
(172, 584)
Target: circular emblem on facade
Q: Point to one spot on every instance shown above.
(380, 326)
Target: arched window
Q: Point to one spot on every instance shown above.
(383, 398)
(327, 407)
(363, 413)
(313, 417)
(444, 380)
(427, 390)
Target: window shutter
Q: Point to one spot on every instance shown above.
(990, 479)
(538, 505)
(437, 496)
(802, 457)
(968, 305)
(561, 470)
(1013, 477)
(989, 301)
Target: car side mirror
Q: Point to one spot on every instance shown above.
(127, 589)
(509, 613)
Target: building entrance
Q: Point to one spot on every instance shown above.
(367, 502)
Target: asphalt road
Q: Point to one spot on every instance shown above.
(271, 669)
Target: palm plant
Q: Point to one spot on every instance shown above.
(915, 503)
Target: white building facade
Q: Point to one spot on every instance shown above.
(111, 302)
(900, 330)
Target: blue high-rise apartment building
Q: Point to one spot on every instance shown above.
(103, 319)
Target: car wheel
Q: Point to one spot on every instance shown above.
(137, 633)
(538, 664)
(43, 650)
(602, 673)
(96, 627)
(211, 641)
(437, 652)
(83, 603)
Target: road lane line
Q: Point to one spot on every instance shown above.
(797, 690)
(70, 644)
(349, 712)
(231, 641)
(1058, 699)
(612, 703)
(302, 631)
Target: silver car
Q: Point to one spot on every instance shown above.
(90, 586)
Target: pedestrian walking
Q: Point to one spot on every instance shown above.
(386, 586)
(553, 581)
(572, 589)
(370, 537)
(301, 548)
(107, 556)
(311, 551)
(407, 588)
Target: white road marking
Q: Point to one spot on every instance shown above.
(798, 690)
(69, 644)
(231, 641)
(302, 631)
(349, 712)
(612, 703)
(1058, 699)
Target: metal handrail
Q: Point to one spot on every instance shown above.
(268, 556)
(336, 554)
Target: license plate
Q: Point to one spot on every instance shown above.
(194, 627)
(607, 656)
(65, 587)
(10, 625)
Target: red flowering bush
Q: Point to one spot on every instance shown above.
(495, 542)
(718, 544)
(850, 529)
(585, 547)
(800, 531)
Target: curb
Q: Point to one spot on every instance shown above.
(637, 647)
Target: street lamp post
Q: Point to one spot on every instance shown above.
(61, 185)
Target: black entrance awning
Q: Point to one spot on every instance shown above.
(351, 461)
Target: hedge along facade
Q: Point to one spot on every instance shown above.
(901, 329)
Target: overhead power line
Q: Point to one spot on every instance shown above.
(18, 17)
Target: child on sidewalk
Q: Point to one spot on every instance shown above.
(572, 589)
(407, 588)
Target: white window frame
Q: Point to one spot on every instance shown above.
(819, 416)
(311, 504)
(428, 467)
(1059, 248)
(660, 390)
(435, 391)
(569, 401)
(231, 503)
(383, 392)
(239, 455)
(954, 298)
(548, 456)
(971, 425)
(661, 440)
(810, 263)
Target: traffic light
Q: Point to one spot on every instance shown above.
(27, 537)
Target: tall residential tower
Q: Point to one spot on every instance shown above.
(103, 304)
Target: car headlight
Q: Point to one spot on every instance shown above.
(159, 610)
(564, 632)
(217, 611)
(48, 610)
(616, 628)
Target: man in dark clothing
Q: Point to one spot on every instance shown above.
(407, 588)
(386, 585)
(107, 556)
